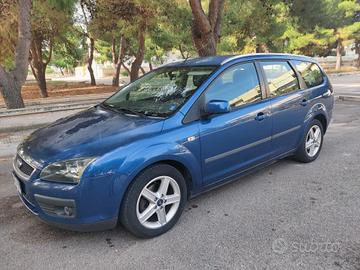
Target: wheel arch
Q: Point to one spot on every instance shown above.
(181, 165)
(322, 118)
(318, 111)
(182, 169)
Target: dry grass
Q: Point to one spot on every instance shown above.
(63, 89)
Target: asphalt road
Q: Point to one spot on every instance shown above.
(286, 216)
(346, 84)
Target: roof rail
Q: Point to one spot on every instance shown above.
(259, 54)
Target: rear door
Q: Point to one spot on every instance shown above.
(289, 104)
(234, 141)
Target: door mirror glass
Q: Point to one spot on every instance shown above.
(217, 107)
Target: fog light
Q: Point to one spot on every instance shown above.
(68, 211)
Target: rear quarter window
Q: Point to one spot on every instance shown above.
(310, 72)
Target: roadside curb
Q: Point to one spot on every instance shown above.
(349, 98)
(46, 109)
(343, 73)
(23, 128)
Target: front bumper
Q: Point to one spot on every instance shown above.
(84, 207)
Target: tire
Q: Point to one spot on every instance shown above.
(308, 154)
(144, 211)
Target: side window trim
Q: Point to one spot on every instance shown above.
(302, 78)
(261, 75)
(190, 115)
(288, 61)
(228, 68)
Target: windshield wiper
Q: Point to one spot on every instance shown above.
(118, 109)
(127, 111)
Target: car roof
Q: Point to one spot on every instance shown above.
(223, 59)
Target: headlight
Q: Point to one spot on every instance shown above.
(68, 171)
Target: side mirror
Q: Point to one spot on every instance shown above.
(217, 107)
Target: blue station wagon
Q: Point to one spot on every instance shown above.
(177, 131)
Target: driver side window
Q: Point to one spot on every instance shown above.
(238, 85)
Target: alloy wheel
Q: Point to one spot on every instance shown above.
(313, 141)
(158, 202)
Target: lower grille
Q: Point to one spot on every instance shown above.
(22, 168)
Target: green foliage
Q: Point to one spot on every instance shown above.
(317, 26)
(69, 51)
(250, 24)
(8, 34)
(311, 27)
(103, 51)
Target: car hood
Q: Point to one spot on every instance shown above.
(92, 132)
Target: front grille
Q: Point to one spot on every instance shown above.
(22, 167)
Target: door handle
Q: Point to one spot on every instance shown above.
(260, 116)
(304, 102)
(328, 93)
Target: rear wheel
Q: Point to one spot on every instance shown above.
(154, 201)
(311, 144)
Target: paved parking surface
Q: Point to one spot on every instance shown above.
(286, 216)
(346, 84)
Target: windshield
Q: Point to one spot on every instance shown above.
(161, 92)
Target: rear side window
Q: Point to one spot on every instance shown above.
(280, 77)
(310, 72)
(238, 85)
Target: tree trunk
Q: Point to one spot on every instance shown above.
(10, 90)
(113, 52)
(118, 61)
(182, 52)
(262, 48)
(357, 51)
(206, 29)
(11, 82)
(38, 67)
(90, 61)
(339, 49)
(139, 57)
(41, 80)
(204, 43)
(126, 68)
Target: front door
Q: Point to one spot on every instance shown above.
(241, 138)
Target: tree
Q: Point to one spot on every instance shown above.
(206, 29)
(327, 16)
(166, 35)
(345, 28)
(50, 20)
(346, 33)
(243, 32)
(11, 81)
(88, 8)
(318, 42)
(357, 39)
(118, 56)
(128, 22)
(108, 24)
(68, 51)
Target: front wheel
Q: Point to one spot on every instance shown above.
(311, 143)
(154, 201)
